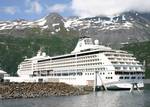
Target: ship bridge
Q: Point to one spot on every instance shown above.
(86, 44)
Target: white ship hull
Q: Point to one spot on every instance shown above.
(87, 65)
(81, 81)
(124, 86)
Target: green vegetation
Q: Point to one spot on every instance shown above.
(19, 45)
(142, 52)
(13, 50)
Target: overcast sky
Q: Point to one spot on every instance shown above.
(35, 9)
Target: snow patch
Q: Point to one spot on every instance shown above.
(41, 22)
(67, 29)
(44, 27)
(52, 33)
(55, 24)
(127, 24)
(57, 30)
(146, 25)
(68, 23)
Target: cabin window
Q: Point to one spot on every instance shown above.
(126, 73)
(118, 68)
(64, 74)
(131, 73)
(130, 68)
(139, 77)
(40, 80)
(79, 73)
(108, 77)
(126, 77)
(132, 77)
(120, 77)
(58, 74)
(118, 73)
(121, 62)
(124, 67)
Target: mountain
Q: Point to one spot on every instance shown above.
(20, 39)
(57, 35)
(51, 24)
(113, 30)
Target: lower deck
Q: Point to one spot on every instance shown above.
(86, 79)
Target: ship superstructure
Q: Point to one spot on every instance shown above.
(114, 68)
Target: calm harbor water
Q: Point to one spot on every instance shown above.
(98, 99)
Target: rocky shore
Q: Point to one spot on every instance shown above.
(31, 90)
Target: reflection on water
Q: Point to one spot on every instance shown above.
(98, 99)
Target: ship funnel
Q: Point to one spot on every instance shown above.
(96, 42)
(39, 53)
(43, 54)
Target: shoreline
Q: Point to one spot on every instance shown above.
(33, 90)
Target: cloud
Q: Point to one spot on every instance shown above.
(108, 7)
(9, 10)
(34, 7)
(57, 8)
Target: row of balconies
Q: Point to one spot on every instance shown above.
(122, 59)
(119, 54)
(129, 68)
(126, 63)
(68, 62)
(128, 73)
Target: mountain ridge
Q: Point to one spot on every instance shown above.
(113, 31)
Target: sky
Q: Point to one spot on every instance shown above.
(36, 9)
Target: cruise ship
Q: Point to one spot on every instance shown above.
(89, 64)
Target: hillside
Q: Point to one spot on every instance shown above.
(13, 50)
(141, 52)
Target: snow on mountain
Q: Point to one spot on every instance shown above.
(22, 24)
(55, 24)
(111, 30)
(54, 20)
(40, 22)
(103, 23)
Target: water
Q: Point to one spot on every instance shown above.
(98, 99)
